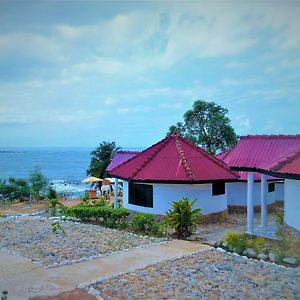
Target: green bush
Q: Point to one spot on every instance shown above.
(182, 217)
(108, 216)
(239, 242)
(144, 223)
(15, 188)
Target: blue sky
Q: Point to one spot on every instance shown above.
(78, 73)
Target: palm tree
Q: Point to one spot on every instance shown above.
(100, 159)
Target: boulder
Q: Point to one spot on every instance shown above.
(262, 256)
(250, 253)
(290, 261)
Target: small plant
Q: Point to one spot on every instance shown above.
(55, 227)
(280, 218)
(182, 217)
(54, 204)
(144, 223)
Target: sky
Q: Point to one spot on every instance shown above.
(77, 73)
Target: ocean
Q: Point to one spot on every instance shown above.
(65, 168)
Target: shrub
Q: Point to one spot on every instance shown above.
(144, 223)
(108, 216)
(182, 217)
(51, 193)
(238, 242)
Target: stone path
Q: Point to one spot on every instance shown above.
(23, 279)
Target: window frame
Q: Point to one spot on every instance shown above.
(135, 191)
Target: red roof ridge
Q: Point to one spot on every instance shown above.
(183, 158)
(211, 157)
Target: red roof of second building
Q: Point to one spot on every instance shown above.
(174, 159)
(289, 165)
(261, 151)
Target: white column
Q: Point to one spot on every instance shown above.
(250, 206)
(263, 200)
(116, 190)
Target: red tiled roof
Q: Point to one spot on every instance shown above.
(261, 151)
(174, 159)
(289, 165)
(120, 157)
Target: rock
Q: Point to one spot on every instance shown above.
(93, 292)
(250, 253)
(262, 256)
(290, 261)
(272, 257)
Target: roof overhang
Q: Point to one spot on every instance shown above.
(267, 172)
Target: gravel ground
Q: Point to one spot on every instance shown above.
(205, 275)
(33, 238)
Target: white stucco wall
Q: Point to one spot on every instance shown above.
(237, 193)
(164, 194)
(292, 203)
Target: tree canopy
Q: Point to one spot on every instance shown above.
(38, 182)
(100, 159)
(207, 126)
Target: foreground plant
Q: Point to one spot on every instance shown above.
(182, 217)
(55, 227)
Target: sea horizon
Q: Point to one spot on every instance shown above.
(64, 167)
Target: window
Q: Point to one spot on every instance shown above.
(141, 194)
(218, 188)
(271, 187)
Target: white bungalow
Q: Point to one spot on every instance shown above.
(264, 155)
(170, 170)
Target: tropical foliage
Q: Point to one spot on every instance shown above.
(182, 217)
(207, 125)
(100, 159)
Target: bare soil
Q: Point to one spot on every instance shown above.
(214, 232)
(73, 295)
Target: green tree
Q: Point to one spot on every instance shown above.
(100, 159)
(38, 182)
(207, 125)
